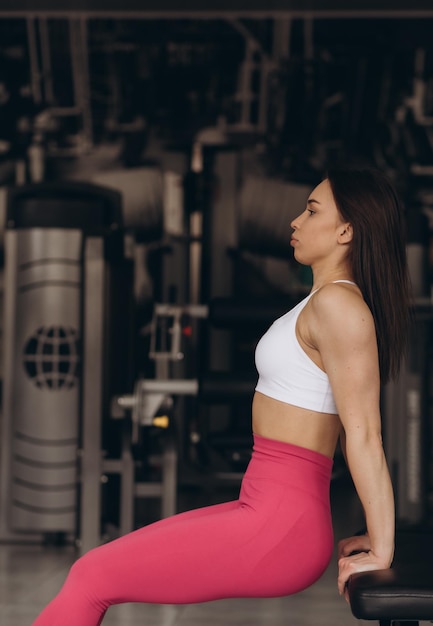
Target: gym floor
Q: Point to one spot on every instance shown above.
(31, 575)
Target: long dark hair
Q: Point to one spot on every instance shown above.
(377, 256)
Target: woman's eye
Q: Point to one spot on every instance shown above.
(310, 211)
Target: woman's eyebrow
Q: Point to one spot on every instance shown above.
(312, 200)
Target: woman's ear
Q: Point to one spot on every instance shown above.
(345, 234)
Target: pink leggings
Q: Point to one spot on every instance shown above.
(275, 540)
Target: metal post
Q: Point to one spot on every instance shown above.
(80, 74)
(91, 461)
(47, 70)
(169, 477)
(35, 76)
(127, 484)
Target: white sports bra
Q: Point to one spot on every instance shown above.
(286, 372)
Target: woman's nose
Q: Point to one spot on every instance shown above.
(294, 223)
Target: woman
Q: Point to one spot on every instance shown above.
(320, 367)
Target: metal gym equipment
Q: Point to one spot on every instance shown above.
(152, 399)
(148, 398)
(59, 241)
(405, 419)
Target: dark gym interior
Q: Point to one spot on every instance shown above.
(151, 161)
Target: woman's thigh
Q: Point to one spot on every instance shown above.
(266, 547)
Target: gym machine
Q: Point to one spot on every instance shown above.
(152, 401)
(63, 256)
(41, 218)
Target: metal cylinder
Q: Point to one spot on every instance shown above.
(42, 326)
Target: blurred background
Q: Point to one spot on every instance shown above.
(151, 161)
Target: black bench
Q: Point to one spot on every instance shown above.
(402, 594)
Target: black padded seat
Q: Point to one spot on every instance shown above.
(403, 593)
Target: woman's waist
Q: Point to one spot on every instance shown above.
(290, 424)
(290, 464)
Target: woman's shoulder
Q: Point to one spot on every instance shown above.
(338, 292)
(340, 306)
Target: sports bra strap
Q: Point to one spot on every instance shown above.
(350, 282)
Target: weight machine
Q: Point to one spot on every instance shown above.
(151, 404)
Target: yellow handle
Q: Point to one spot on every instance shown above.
(162, 421)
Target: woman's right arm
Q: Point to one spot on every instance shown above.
(345, 336)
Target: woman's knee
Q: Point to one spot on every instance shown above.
(86, 572)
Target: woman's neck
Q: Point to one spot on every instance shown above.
(323, 278)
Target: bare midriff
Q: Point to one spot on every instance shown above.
(302, 427)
